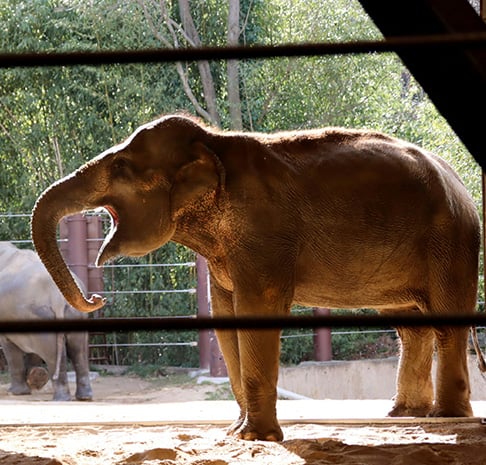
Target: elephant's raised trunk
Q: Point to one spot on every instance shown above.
(59, 200)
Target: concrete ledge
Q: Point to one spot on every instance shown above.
(222, 412)
(362, 379)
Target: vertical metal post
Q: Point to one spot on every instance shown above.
(482, 12)
(63, 237)
(76, 246)
(203, 310)
(322, 338)
(210, 355)
(93, 244)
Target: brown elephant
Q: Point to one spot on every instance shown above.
(331, 217)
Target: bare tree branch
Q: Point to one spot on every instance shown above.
(188, 33)
(232, 66)
(207, 80)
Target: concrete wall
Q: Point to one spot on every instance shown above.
(362, 379)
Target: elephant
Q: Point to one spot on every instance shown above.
(27, 291)
(331, 217)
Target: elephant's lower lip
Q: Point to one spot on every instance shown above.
(112, 213)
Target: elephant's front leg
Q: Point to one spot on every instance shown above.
(16, 368)
(259, 364)
(252, 360)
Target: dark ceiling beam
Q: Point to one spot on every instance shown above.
(454, 79)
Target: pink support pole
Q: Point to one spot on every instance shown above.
(203, 310)
(209, 352)
(95, 239)
(322, 339)
(63, 236)
(77, 251)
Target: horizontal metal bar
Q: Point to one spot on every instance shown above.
(155, 291)
(146, 344)
(15, 215)
(425, 43)
(146, 265)
(204, 323)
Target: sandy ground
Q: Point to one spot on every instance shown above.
(134, 421)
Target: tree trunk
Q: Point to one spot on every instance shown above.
(204, 69)
(232, 66)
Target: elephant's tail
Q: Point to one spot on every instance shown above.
(481, 360)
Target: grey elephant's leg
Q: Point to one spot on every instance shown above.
(452, 397)
(414, 379)
(77, 352)
(16, 368)
(222, 305)
(60, 385)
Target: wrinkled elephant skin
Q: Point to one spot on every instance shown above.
(27, 292)
(330, 217)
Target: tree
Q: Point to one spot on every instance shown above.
(176, 27)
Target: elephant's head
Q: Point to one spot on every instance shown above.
(145, 183)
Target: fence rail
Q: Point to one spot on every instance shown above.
(205, 323)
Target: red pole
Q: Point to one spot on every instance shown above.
(64, 239)
(210, 355)
(203, 310)
(77, 255)
(322, 339)
(93, 244)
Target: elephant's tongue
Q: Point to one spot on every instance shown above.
(113, 214)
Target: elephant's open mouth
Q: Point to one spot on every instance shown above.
(110, 247)
(112, 212)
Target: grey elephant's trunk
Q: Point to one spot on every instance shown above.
(62, 198)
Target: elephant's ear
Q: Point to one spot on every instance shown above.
(196, 178)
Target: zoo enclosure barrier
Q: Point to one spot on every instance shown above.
(80, 239)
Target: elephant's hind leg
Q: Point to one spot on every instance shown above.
(452, 398)
(453, 263)
(415, 394)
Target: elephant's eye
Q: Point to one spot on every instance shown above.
(121, 168)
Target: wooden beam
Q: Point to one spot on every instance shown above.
(454, 79)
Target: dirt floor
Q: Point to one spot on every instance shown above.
(27, 438)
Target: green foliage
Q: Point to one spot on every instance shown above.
(297, 345)
(361, 343)
(135, 293)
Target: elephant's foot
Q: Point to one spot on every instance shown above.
(84, 394)
(400, 410)
(408, 407)
(243, 428)
(460, 409)
(21, 389)
(61, 394)
(236, 425)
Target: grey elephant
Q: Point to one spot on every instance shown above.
(28, 292)
(330, 217)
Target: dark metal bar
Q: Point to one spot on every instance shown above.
(192, 323)
(426, 43)
(454, 78)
